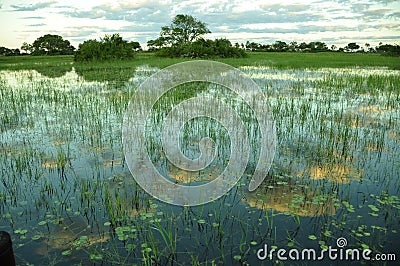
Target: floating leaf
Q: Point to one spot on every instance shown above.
(364, 246)
(327, 233)
(42, 223)
(123, 237)
(312, 237)
(96, 256)
(21, 231)
(373, 208)
(66, 252)
(35, 237)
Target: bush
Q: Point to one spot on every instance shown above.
(202, 48)
(111, 47)
(388, 50)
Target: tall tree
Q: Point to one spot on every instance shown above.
(50, 44)
(184, 29)
(183, 38)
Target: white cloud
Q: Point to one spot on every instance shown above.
(33, 7)
(332, 21)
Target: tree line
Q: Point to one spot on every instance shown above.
(182, 38)
(280, 46)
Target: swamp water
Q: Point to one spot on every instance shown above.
(67, 196)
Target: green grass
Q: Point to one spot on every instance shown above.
(276, 60)
(314, 60)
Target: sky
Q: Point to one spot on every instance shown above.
(335, 22)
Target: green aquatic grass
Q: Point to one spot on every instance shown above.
(61, 173)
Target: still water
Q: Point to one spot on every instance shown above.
(67, 196)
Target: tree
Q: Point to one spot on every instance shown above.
(304, 47)
(293, 46)
(184, 29)
(156, 44)
(136, 46)
(51, 45)
(8, 52)
(318, 47)
(26, 47)
(352, 47)
(280, 46)
(252, 46)
(367, 46)
(183, 38)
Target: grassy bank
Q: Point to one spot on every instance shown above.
(276, 60)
